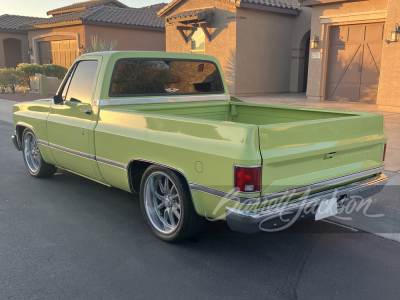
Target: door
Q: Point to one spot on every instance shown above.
(354, 62)
(12, 52)
(62, 53)
(68, 123)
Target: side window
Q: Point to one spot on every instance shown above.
(80, 85)
(198, 41)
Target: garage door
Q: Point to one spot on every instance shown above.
(61, 53)
(354, 62)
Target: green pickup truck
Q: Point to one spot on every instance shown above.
(163, 125)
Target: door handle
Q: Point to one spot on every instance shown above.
(329, 155)
(87, 111)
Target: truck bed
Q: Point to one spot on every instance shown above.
(298, 146)
(242, 112)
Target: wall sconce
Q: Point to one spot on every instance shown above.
(30, 51)
(394, 35)
(314, 42)
(81, 49)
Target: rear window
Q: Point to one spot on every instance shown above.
(161, 77)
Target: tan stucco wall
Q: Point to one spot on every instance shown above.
(389, 84)
(128, 38)
(223, 31)
(34, 36)
(255, 49)
(23, 37)
(337, 14)
(264, 50)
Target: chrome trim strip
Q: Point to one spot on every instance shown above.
(71, 151)
(288, 192)
(313, 186)
(111, 163)
(221, 194)
(40, 142)
(161, 99)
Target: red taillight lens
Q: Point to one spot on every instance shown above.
(248, 179)
(384, 152)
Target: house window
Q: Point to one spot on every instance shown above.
(198, 41)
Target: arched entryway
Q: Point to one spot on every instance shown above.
(12, 52)
(305, 47)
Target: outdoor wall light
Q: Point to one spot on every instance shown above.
(81, 49)
(314, 42)
(30, 51)
(394, 35)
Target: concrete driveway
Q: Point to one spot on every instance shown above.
(71, 238)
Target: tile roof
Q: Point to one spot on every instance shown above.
(239, 3)
(192, 15)
(85, 5)
(272, 3)
(13, 22)
(106, 15)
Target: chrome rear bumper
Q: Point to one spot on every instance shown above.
(278, 215)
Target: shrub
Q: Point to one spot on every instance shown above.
(54, 71)
(27, 71)
(10, 79)
(99, 45)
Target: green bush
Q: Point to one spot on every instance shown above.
(10, 79)
(27, 71)
(54, 71)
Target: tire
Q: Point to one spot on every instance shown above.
(34, 162)
(167, 205)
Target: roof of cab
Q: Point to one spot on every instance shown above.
(148, 54)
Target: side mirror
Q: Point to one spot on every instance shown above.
(58, 99)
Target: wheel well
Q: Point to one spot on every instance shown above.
(19, 131)
(136, 169)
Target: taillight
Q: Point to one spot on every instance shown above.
(384, 152)
(248, 179)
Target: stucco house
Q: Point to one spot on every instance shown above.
(61, 38)
(14, 41)
(262, 45)
(354, 59)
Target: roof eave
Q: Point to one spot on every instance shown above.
(53, 12)
(281, 10)
(13, 30)
(142, 27)
(310, 3)
(53, 25)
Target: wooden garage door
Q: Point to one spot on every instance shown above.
(354, 62)
(61, 53)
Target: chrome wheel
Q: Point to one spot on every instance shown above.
(31, 152)
(162, 202)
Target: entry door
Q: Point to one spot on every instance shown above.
(68, 123)
(354, 62)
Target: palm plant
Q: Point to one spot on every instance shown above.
(99, 45)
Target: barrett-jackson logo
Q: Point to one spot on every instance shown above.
(353, 157)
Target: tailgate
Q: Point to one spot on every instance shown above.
(301, 153)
